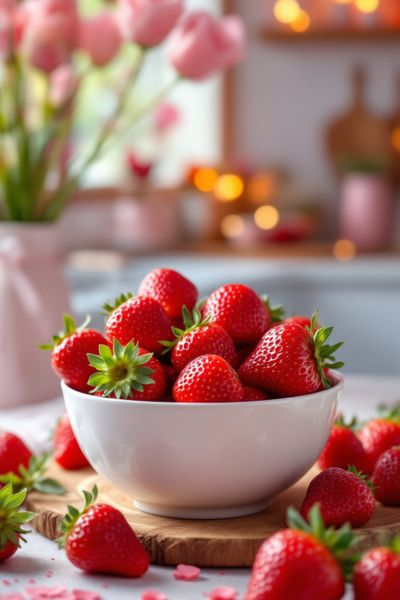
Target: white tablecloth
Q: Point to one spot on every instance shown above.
(41, 561)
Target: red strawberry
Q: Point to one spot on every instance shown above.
(239, 310)
(208, 378)
(66, 450)
(251, 394)
(13, 453)
(100, 540)
(12, 521)
(291, 360)
(301, 562)
(303, 321)
(381, 434)
(386, 477)
(343, 448)
(138, 319)
(171, 289)
(127, 372)
(69, 353)
(343, 497)
(377, 574)
(199, 337)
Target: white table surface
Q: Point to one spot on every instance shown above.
(40, 560)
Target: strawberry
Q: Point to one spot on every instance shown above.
(141, 320)
(171, 289)
(303, 321)
(127, 372)
(197, 338)
(377, 573)
(12, 521)
(291, 360)
(343, 448)
(98, 539)
(251, 394)
(239, 310)
(208, 378)
(13, 453)
(343, 497)
(69, 350)
(66, 450)
(380, 434)
(304, 562)
(386, 477)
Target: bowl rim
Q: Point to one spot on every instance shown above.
(202, 405)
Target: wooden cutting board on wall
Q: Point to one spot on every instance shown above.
(358, 134)
(212, 543)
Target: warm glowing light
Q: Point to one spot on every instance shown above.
(302, 23)
(287, 11)
(261, 187)
(396, 139)
(344, 250)
(205, 179)
(367, 6)
(266, 217)
(228, 187)
(343, 1)
(232, 226)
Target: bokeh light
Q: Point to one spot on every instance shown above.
(367, 6)
(343, 1)
(395, 138)
(344, 250)
(302, 23)
(232, 226)
(228, 187)
(266, 217)
(260, 187)
(287, 11)
(205, 178)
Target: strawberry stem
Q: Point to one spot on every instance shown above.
(277, 312)
(324, 353)
(12, 519)
(361, 476)
(109, 307)
(32, 478)
(69, 329)
(191, 321)
(73, 515)
(120, 371)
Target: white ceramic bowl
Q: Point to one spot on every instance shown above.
(204, 461)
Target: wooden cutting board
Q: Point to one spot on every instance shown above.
(218, 543)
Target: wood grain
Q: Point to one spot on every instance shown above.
(220, 543)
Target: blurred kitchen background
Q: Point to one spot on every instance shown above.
(282, 174)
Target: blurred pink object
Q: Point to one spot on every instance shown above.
(6, 28)
(33, 295)
(139, 168)
(63, 85)
(366, 211)
(148, 22)
(45, 43)
(201, 44)
(101, 38)
(165, 116)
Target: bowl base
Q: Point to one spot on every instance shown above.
(176, 512)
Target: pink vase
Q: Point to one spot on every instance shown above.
(33, 297)
(366, 211)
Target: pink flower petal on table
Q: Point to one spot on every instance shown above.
(57, 592)
(153, 595)
(186, 572)
(85, 595)
(6, 582)
(224, 592)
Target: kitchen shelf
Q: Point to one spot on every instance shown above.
(330, 35)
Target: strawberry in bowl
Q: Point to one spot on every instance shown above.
(174, 419)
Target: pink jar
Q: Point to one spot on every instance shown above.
(367, 211)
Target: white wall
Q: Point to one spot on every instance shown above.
(287, 93)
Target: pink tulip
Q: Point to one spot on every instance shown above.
(101, 38)
(63, 85)
(65, 11)
(45, 43)
(148, 22)
(202, 45)
(6, 32)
